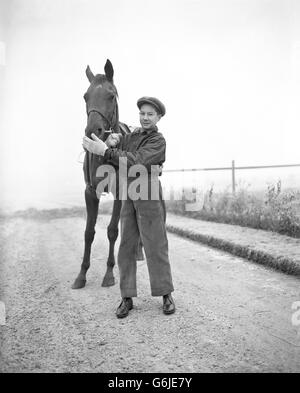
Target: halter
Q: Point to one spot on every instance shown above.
(109, 122)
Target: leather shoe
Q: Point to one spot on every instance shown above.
(168, 304)
(124, 307)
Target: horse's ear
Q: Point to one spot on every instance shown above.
(109, 70)
(89, 74)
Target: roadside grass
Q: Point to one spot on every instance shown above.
(271, 209)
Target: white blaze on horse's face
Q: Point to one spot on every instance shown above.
(148, 116)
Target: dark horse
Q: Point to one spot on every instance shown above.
(102, 115)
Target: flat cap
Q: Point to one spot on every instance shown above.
(158, 105)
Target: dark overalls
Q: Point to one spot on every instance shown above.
(144, 218)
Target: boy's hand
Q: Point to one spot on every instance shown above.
(113, 139)
(95, 146)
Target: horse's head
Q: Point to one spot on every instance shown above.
(101, 102)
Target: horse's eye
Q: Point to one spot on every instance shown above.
(110, 94)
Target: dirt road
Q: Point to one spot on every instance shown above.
(232, 315)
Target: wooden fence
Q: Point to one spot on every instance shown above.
(233, 168)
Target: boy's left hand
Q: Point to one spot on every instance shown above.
(95, 146)
(113, 139)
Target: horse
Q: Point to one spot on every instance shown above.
(102, 114)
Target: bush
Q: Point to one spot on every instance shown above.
(272, 210)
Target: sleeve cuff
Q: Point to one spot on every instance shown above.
(104, 151)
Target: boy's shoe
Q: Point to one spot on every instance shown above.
(168, 304)
(124, 307)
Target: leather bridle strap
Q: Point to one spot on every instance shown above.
(101, 114)
(109, 122)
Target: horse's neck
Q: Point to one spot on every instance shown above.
(119, 126)
(124, 129)
(116, 123)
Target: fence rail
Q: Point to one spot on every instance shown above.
(233, 168)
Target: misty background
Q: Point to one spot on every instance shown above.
(227, 71)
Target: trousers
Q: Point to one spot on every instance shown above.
(144, 219)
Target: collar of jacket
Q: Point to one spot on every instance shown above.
(149, 130)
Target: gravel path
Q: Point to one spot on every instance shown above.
(232, 315)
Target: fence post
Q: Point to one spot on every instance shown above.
(233, 176)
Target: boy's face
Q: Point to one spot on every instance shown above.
(148, 116)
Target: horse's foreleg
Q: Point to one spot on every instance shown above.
(92, 205)
(112, 234)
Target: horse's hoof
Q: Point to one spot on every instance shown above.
(108, 281)
(79, 283)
